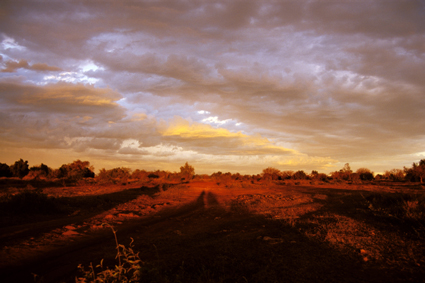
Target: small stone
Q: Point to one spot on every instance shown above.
(70, 227)
(70, 233)
(126, 215)
(109, 216)
(362, 251)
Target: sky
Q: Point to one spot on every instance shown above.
(234, 86)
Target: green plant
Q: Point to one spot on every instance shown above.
(129, 266)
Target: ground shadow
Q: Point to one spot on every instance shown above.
(355, 204)
(203, 241)
(15, 226)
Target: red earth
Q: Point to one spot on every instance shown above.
(204, 231)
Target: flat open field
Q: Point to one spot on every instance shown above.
(206, 231)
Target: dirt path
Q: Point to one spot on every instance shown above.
(175, 227)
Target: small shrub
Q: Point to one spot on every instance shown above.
(299, 175)
(129, 268)
(405, 207)
(153, 176)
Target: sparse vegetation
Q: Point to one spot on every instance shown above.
(75, 170)
(20, 169)
(128, 269)
(187, 171)
(114, 176)
(401, 206)
(181, 239)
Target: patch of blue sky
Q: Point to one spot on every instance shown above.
(69, 77)
(10, 43)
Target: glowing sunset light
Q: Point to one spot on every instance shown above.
(230, 85)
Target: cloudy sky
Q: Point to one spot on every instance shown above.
(227, 86)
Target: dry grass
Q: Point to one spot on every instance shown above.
(245, 232)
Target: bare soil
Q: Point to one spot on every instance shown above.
(204, 231)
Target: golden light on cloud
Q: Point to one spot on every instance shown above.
(242, 144)
(185, 129)
(330, 83)
(71, 94)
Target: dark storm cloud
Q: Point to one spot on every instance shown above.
(323, 82)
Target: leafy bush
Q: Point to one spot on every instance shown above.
(153, 176)
(20, 168)
(76, 170)
(115, 175)
(365, 174)
(271, 173)
(187, 171)
(394, 175)
(299, 175)
(5, 170)
(416, 173)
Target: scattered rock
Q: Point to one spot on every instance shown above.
(97, 227)
(127, 215)
(109, 216)
(70, 233)
(272, 241)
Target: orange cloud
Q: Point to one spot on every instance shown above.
(238, 142)
(12, 66)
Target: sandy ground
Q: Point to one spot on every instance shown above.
(320, 220)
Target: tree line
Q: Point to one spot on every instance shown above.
(79, 170)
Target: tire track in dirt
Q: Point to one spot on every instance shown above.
(57, 253)
(64, 255)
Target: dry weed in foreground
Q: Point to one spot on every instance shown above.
(127, 270)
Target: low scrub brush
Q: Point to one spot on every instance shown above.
(129, 267)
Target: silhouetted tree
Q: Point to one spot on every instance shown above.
(365, 174)
(318, 176)
(416, 172)
(120, 174)
(286, 174)
(39, 172)
(5, 170)
(299, 175)
(271, 173)
(394, 175)
(20, 168)
(153, 176)
(343, 174)
(76, 170)
(187, 171)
